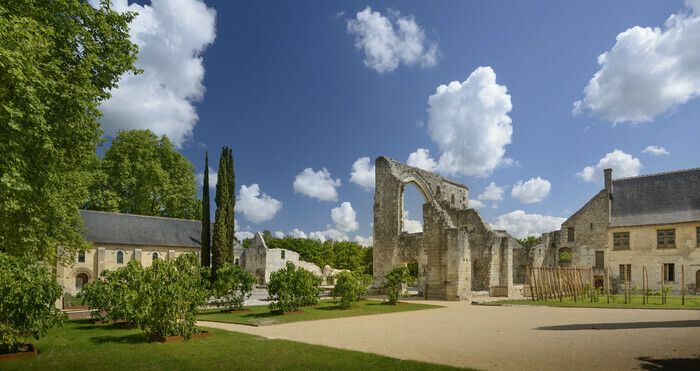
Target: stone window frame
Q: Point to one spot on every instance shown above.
(120, 257)
(155, 256)
(283, 254)
(626, 272)
(570, 234)
(669, 272)
(81, 256)
(621, 240)
(666, 238)
(595, 261)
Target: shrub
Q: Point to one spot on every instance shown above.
(28, 293)
(394, 283)
(565, 257)
(114, 294)
(233, 286)
(292, 288)
(96, 295)
(169, 295)
(350, 287)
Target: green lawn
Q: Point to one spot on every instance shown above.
(80, 345)
(673, 302)
(261, 315)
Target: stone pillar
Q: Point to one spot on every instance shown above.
(171, 254)
(137, 255)
(101, 256)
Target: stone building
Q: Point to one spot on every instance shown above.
(118, 238)
(456, 253)
(649, 220)
(261, 261)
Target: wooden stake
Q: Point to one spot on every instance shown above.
(591, 283)
(532, 288)
(663, 285)
(682, 284)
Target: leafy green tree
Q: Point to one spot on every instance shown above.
(394, 283)
(347, 255)
(29, 292)
(143, 174)
(350, 287)
(233, 286)
(58, 61)
(115, 293)
(529, 241)
(291, 288)
(206, 217)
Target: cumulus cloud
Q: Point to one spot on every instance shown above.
(254, 206)
(648, 71)
(411, 225)
(364, 241)
(279, 234)
(469, 121)
(475, 204)
(328, 234)
(388, 41)
(317, 184)
(521, 224)
(171, 36)
(534, 190)
(656, 151)
(213, 177)
(344, 217)
(422, 160)
(492, 192)
(243, 235)
(297, 233)
(363, 173)
(622, 164)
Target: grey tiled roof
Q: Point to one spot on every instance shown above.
(128, 229)
(663, 198)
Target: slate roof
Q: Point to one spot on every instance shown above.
(129, 229)
(664, 198)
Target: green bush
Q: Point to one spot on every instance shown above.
(232, 287)
(394, 283)
(292, 288)
(565, 257)
(28, 294)
(114, 294)
(350, 287)
(97, 296)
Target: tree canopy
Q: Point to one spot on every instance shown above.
(58, 61)
(143, 174)
(338, 254)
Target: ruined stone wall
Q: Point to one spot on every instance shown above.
(590, 225)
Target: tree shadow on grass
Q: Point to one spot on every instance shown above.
(120, 339)
(648, 363)
(623, 325)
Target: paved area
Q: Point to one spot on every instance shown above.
(513, 337)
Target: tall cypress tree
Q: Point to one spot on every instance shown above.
(206, 217)
(232, 197)
(220, 242)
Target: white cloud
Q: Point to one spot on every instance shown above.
(534, 190)
(492, 192)
(422, 160)
(622, 164)
(648, 71)
(328, 234)
(254, 206)
(520, 224)
(469, 121)
(656, 151)
(243, 235)
(297, 233)
(317, 184)
(279, 234)
(213, 177)
(390, 41)
(475, 204)
(171, 36)
(411, 225)
(364, 241)
(363, 173)
(344, 217)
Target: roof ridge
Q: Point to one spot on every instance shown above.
(141, 216)
(659, 173)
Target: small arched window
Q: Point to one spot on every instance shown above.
(81, 256)
(155, 256)
(120, 257)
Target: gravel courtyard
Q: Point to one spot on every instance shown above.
(512, 337)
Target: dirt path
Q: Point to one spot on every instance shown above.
(515, 337)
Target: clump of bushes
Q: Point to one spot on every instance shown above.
(394, 283)
(232, 287)
(115, 293)
(28, 294)
(292, 288)
(350, 287)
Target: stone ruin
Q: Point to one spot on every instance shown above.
(457, 253)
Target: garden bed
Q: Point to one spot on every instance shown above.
(28, 351)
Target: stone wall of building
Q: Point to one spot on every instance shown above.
(590, 225)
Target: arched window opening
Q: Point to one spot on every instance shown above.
(80, 280)
(155, 256)
(283, 254)
(81, 256)
(120, 257)
(236, 262)
(412, 205)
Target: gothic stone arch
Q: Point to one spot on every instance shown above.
(451, 234)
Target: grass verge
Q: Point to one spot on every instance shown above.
(673, 302)
(80, 345)
(260, 315)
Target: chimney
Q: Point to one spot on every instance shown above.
(608, 180)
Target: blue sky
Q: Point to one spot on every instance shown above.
(292, 85)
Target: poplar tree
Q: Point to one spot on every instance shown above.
(206, 218)
(220, 242)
